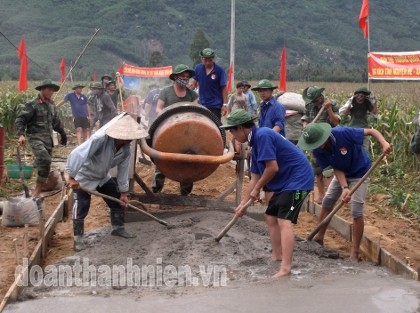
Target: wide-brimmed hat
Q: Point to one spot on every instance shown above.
(126, 128)
(246, 84)
(264, 84)
(362, 90)
(207, 53)
(48, 83)
(236, 118)
(310, 93)
(96, 85)
(78, 86)
(314, 135)
(181, 68)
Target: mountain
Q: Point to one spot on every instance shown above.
(322, 37)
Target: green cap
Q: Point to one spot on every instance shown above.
(311, 93)
(314, 135)
(48, 83)
(78, 86)
(181, 68)
(207, 53)
(264, 84)
(236, 118)
(96, 85)
(362, 90)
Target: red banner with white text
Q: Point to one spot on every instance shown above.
(130, 70)
(394, 65)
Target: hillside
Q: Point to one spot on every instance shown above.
(322, 37)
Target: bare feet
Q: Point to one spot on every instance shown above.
(282, 273)
(274, 258)
(355, 256)
(318, 240)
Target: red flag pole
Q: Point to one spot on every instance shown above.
(23, 78)
(282, 79)
(63, 70)
(363, 18)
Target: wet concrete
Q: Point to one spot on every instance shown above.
(233, 275)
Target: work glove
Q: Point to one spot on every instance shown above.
(63, 140)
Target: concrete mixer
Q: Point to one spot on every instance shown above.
(186, 145)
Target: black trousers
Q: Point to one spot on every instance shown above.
(82, 200)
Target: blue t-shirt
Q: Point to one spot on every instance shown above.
(347, 154)
(78, 105)
(272, 113)
(210, 86)
(295, 171)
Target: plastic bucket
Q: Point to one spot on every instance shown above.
(14, 172)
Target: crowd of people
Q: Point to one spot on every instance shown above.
(278, 166)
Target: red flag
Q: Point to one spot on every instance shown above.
(23, 79)
(230, 74)
(63, 70)
(364, 13)
(94, 76)
(282, 79)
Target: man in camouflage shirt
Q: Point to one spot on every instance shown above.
(36, 122)
(314, 100)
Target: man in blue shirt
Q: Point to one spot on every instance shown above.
(342, 149)
(272, 112)
(211, 79)
(88, 169)
(272, 115)
(280, 165)
(80, 111)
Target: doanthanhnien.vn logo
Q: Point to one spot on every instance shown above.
(83, 274)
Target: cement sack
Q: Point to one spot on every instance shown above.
(294, 126)
(20, 211)
(292, 101)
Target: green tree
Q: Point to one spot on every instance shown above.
(199, 42)
(156, 59)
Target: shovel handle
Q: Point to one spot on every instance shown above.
(231, 223)
(319, 113)
(22, 178)
(328, 218)
(129, 205)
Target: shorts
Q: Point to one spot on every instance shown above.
(357, 199)
(286, 205)
(82, 122)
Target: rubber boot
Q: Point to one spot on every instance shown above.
(117, 221)
(158, 181)
(186, 188)
(78, 231)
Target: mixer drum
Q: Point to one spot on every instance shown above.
(187, 128)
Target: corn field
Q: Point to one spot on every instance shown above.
(398, 105)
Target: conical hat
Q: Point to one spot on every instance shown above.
(126, 128)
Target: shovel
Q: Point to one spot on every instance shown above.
(338, 206)
(129, 205)
(231, 223)
(22, 179)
